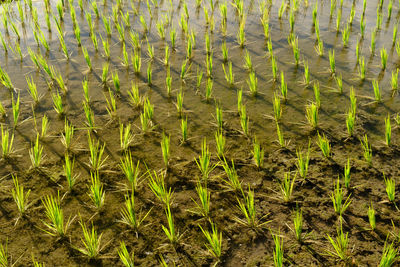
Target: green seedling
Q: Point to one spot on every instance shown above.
(287, 186)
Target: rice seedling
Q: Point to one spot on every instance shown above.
(218, 117)
(379, 19)
(361, 68)
(130, 171)
(296, 51)
(126, 258)
(5, 47)
(165, 148)
(346, 35)
(107, 25)
(373, 41)
(2, 111)
(209, 89)
(117, 84)
(352, 14)
(358, 49)
(150, 50)
(367, 150)
(340, 244)
(45, 126)
(20, 198)
(303, 162)
(69, 172)
(298, 224)
(278, 250)
(291, 21)
(332, 61)
(317, 94)
(338, 19)
(4, 255)
(35, 153)
(220, 143)
(184, 70)
(312, 115)
(389, 9)
(55, 214)
(149, 74)
(371, 217)
(96, 191)
(282, 9)
(214, 239)
(167, 55)
(258, 154)
(394, 81)
(77, 33)
(111, 104)
(67, 136)
(106, 47)
(233, 181)
(204, 161)
(199, 77)
(241, 39)
(346, 176)
(239, 99)
(5, 79)
(338, 197)
(144, 24)
(388, 131)
(247, 61)
(229, 76)
(224, 50)
(281, 139)
(283, 86)
(306, 77)
(209, 65)
(339, 83)
(87, 58)
(394, 35)
(248, 209)
(121, 32)
(125, 135)
(324, 145)
(148, 109)
(171, 233)
(253, 83)
(276, 103)
(158, 187)
(390, 188)
(244, 120)
(129, 216)
(32, 90)
(389, 255)
(319, 48)
(6, 143)
(384, 57)
(362, 28)
(89, 114)
(274, 68)
(287, 185)
(96, 162)
(57, 104)
(377, 92)
(91, 240)
(184, 130)
(350, 121)
(125, 57)
(202, 207)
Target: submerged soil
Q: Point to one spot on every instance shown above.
(241, 245)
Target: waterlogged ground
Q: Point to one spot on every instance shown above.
(241, 245)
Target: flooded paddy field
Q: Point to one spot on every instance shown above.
(199, 133)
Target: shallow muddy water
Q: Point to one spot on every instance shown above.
(241, 246)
